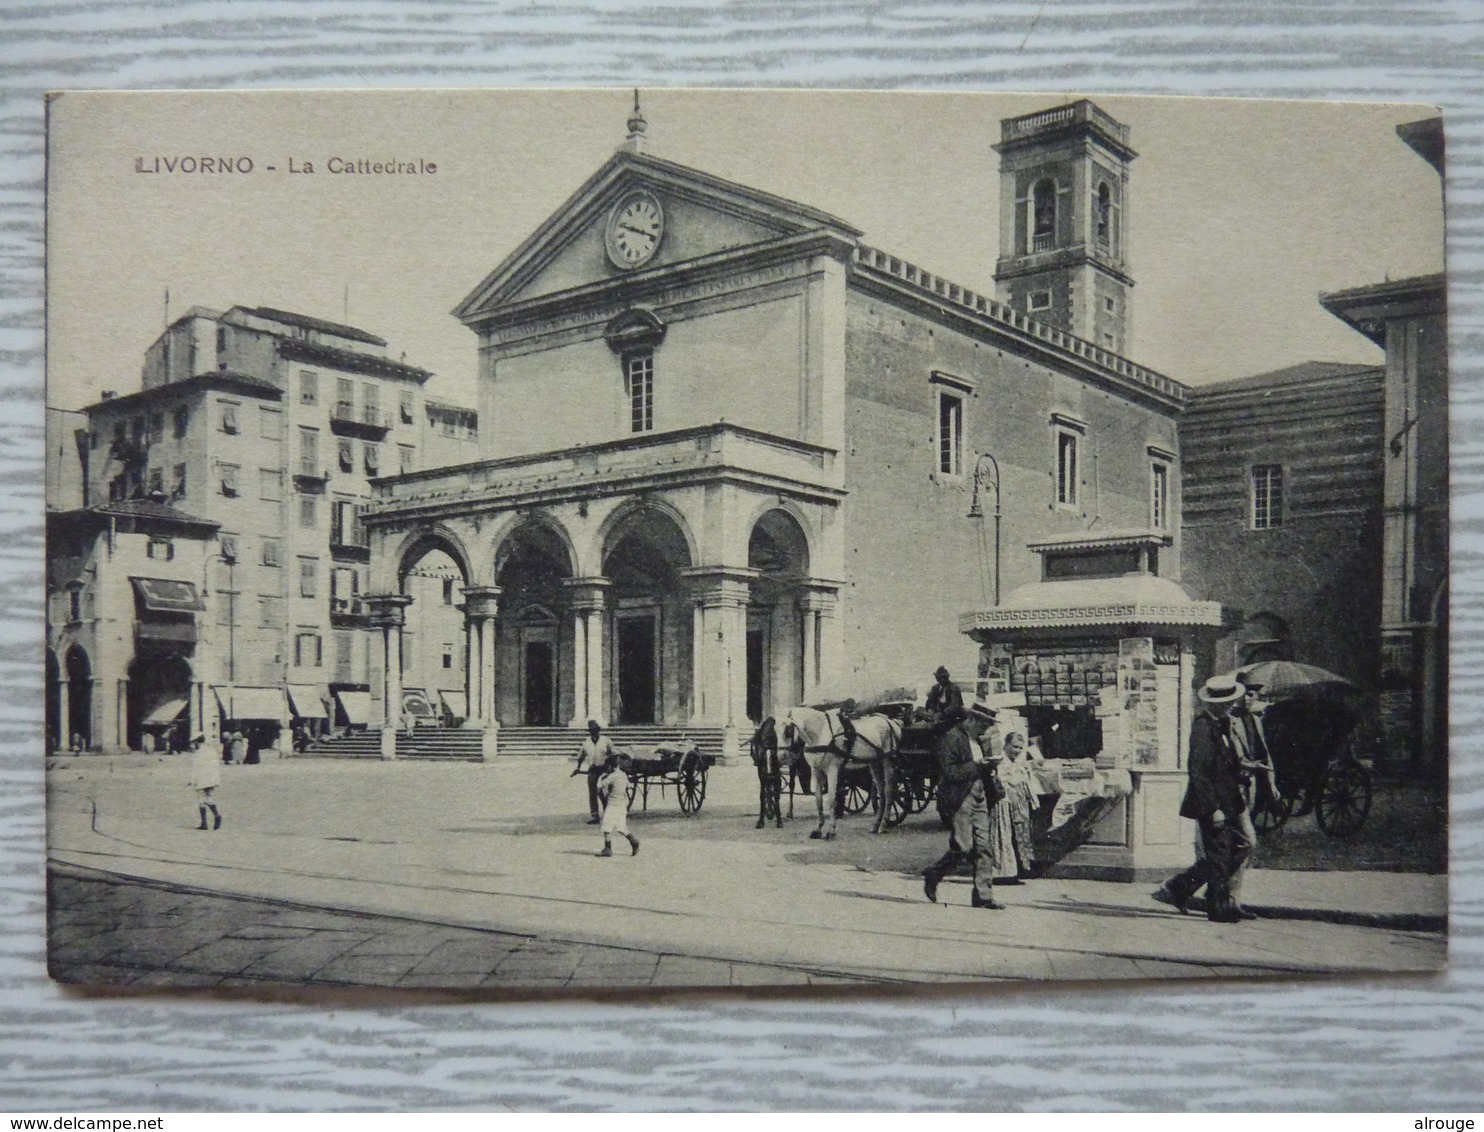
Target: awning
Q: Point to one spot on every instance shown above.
(415, 702)
(455, 703)
(252, 703)
(356, 706)
(166, 711)
(164, 595)
(306, 702)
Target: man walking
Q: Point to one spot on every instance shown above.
(595, 751)
(1213, 799)
(1254, 757)
(961, 799)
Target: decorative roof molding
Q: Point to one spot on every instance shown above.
(1103, 540)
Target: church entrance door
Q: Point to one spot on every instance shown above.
(637, 663)
(538, 676)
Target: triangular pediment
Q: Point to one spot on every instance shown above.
(701, 216)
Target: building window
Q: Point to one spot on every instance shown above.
(308, 388)
(1108, 305)
(447, 591)
(1103, 213)
(1159, 495)
(344, 588)
(228, 474)
(160, 549)
(308, 452)
(1068, 433)
(221, 340)
(74, 604)
(308, 576)
(639, 385)
(345, 525)
(447, 655)
(345, 399)
(346, 456)
(1039, 301)
(950, 433)
(272, 553)
(1267, 496)
(156, 427)
(270, 612)
(178, 489)
(181, 420)
(404, 459)
(228, 544)
(308, 650)
(308, 511)
(373, 460)
(229, 418)
(270, 484)
(156, 481)
(371, 404)
(1043, 215)
(406, 408)
(270, 423)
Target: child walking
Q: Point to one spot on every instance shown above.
(206, 776)
(613, 791)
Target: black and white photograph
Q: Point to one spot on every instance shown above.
(530, 541)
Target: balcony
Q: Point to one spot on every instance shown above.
(348, 612)
(368, 424)
(310, 479)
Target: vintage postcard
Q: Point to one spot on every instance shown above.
(514, 540)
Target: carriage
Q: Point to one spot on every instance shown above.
(914, 777)
(1311, 731)
(683, 766)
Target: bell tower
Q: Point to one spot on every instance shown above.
(1063, 227)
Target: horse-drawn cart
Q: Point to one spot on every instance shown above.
(683, 767)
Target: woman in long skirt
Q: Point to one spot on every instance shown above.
(1020, 798)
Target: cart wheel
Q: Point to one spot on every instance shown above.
(692, 786)
(903, 800)
(922, 794)
(1345, 799)
(1268, 815)
(855, 797)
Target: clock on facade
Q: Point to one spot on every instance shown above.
(634, 229)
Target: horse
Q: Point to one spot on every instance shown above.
(764, 749)
(828, 746)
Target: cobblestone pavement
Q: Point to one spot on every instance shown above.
(111, 931)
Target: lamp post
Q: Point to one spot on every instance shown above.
(976, 509)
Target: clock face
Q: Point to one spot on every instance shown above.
(634, 230)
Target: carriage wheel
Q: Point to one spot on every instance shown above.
(1268, 815)
(1345, 799)
(922, 794)
(692, 786)
(856, 796)
(903, 799)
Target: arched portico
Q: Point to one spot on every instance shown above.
(78, 711)
(434, 639)
(531, 672)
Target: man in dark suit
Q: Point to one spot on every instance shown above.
(945, 701)
(1213, 799)
(962, 801)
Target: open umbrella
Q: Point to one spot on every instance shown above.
(1287, 679)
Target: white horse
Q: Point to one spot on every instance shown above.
(828, 748)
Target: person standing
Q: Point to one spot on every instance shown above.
(1253, 758)
(596, 750)
(1020, 801)
(206, 777)
(961, 799)
(613, 789)
(1213, 799)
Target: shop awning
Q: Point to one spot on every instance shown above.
(306, 702)
(455, 703)
(252, 703)
(415, 703)
(356, 706)
(166, 711)
(165, 595)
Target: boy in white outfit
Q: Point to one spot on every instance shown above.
(613, 791)
(206, 776)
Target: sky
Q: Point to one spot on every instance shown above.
(1240, 212)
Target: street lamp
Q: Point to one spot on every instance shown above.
(976, 510)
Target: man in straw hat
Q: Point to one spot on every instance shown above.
(1213, 799)
(961, 799)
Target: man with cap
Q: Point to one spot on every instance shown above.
(206, 776)
(1213, 799)
(595, 751)
(961, 800)
(945, 702)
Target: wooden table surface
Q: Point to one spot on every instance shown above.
(1404, 1043)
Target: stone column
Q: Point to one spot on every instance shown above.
(197, 709)
(481, 607)
(589, 597)
(120, 713)
(720, 650)
(388, 612)
(821, 645)
(472, 670)
(64, 715)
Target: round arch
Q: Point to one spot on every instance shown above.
(535, 528)
(782, 523)
(418, 544)
(655, 517)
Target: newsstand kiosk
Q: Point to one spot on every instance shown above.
(1108, 655)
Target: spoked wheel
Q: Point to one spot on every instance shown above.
(903, 801)
(855, 797)
(922, 794)
(1268, 815)
(692, 785)
(1345, 799)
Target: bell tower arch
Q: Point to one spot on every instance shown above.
(1063, 222)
